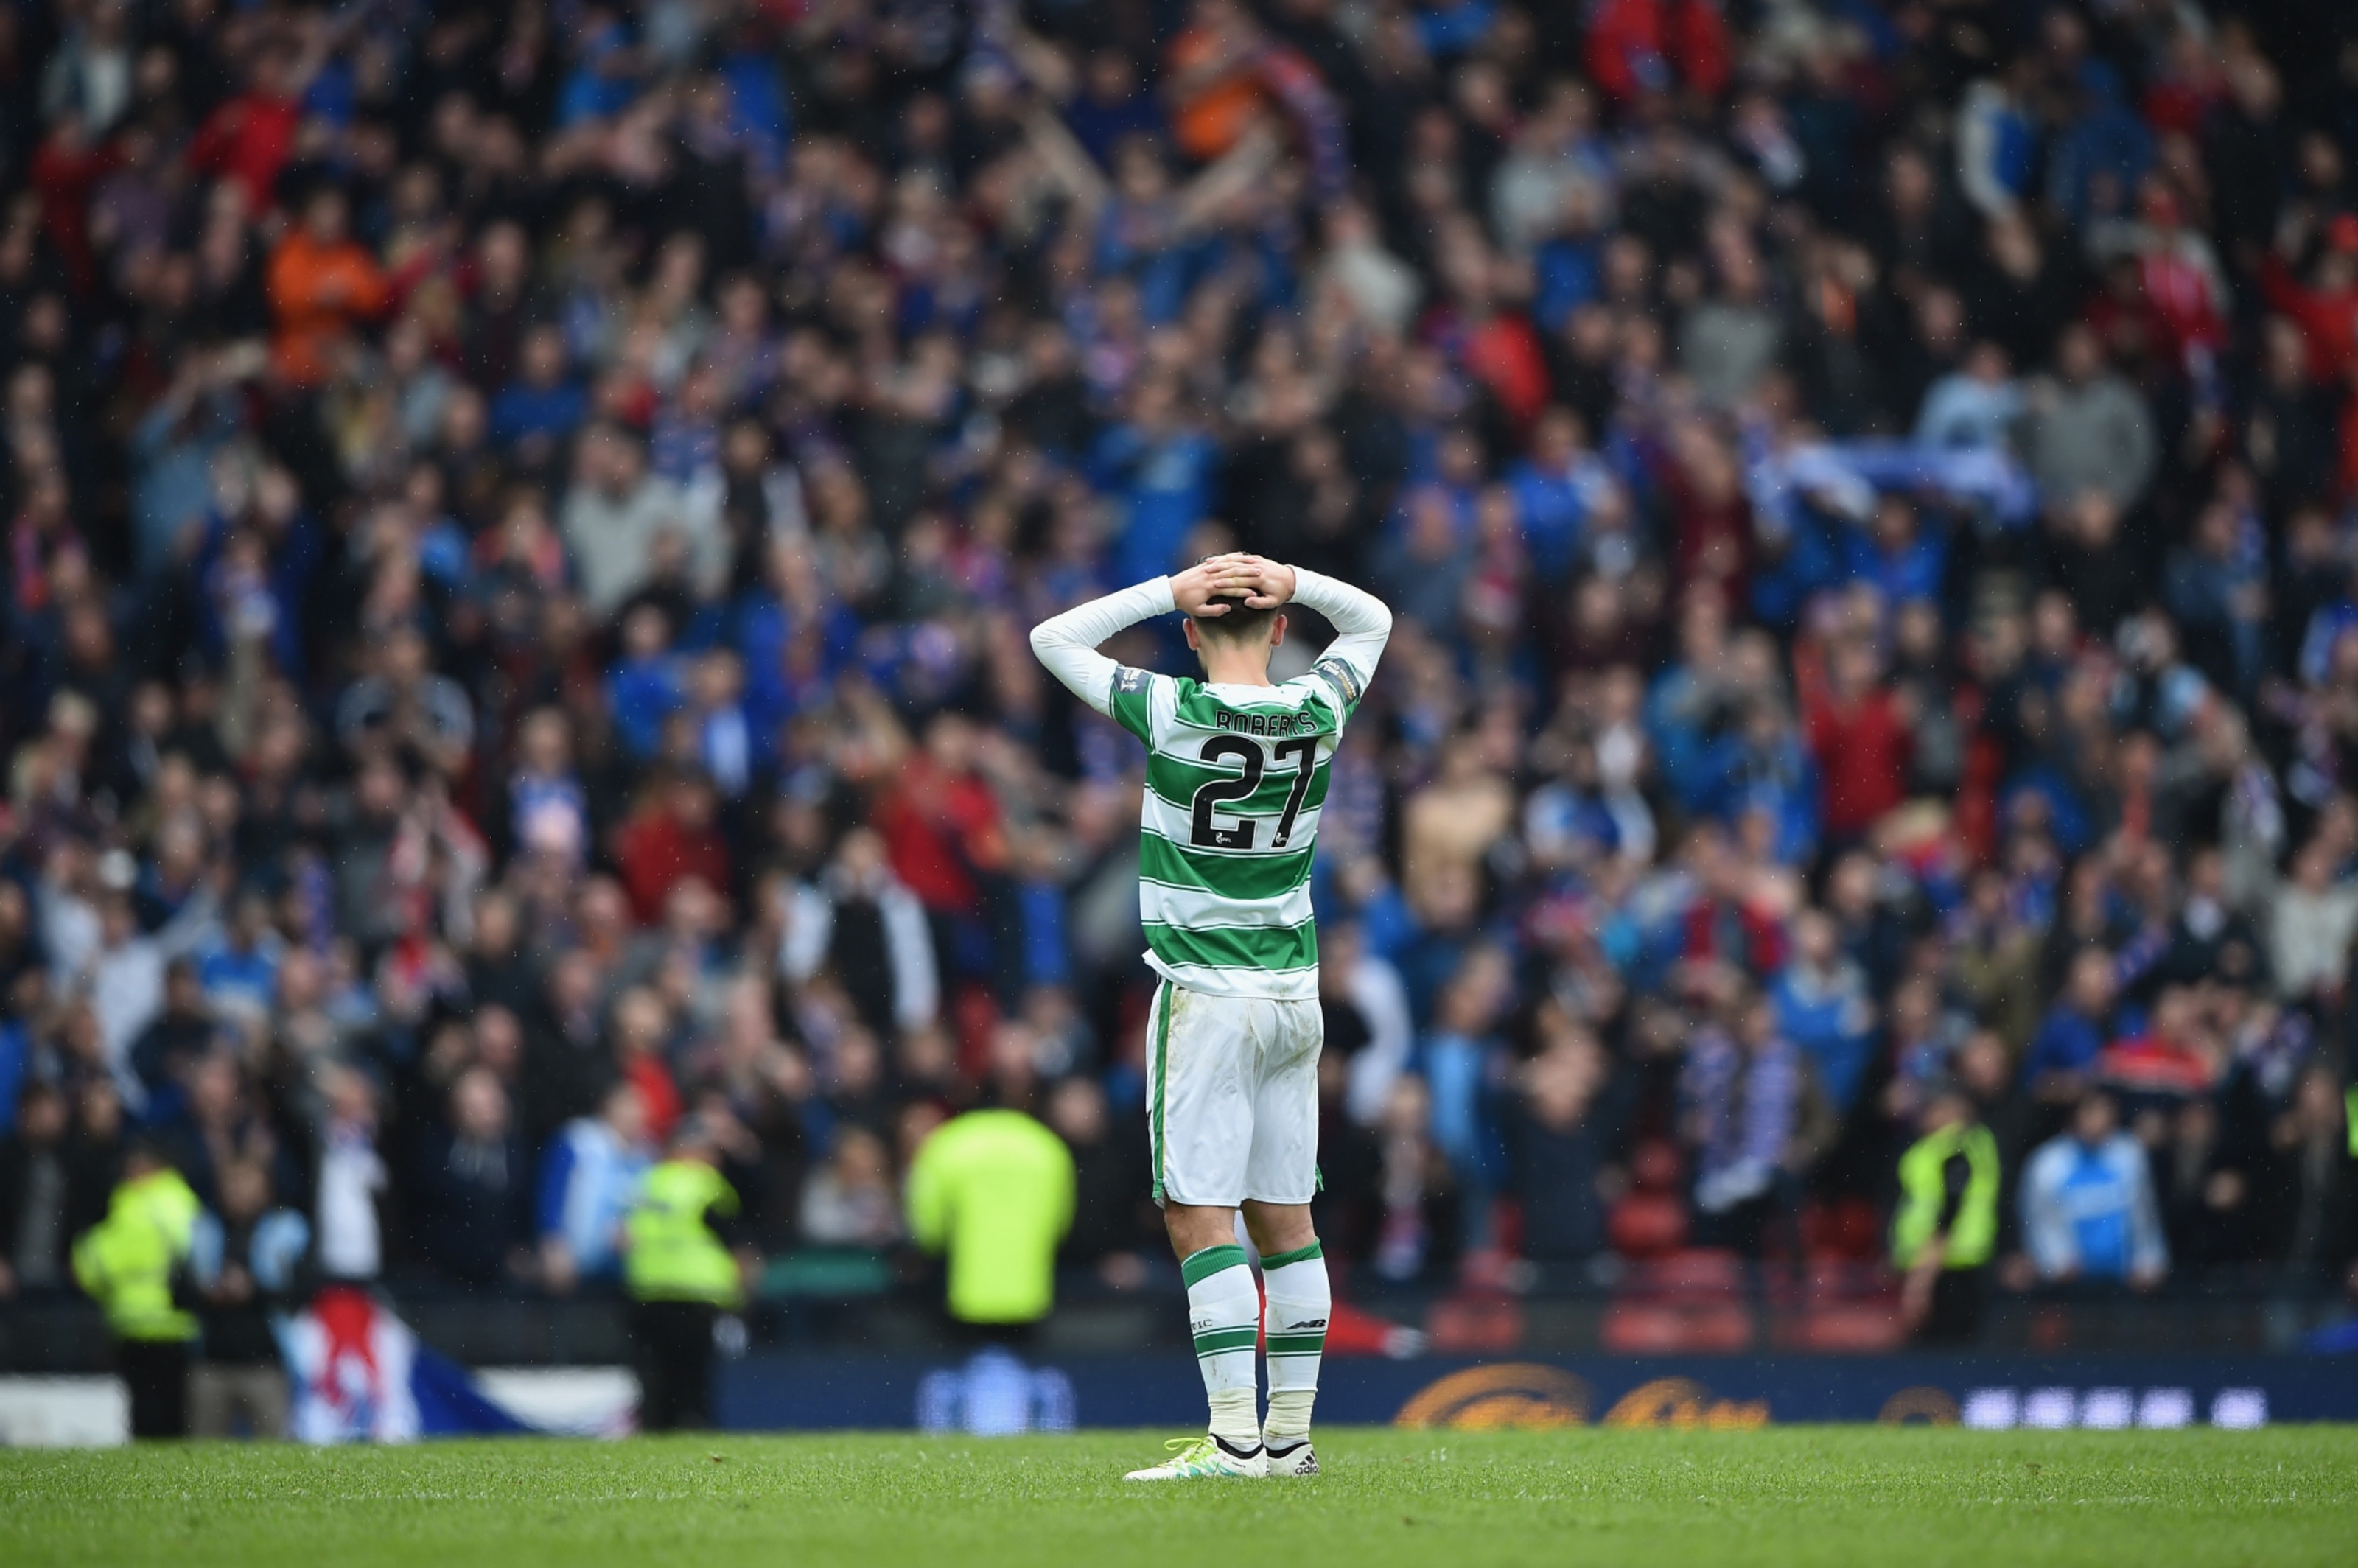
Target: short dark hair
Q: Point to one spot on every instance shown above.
(147, 1150)
(1242, 623)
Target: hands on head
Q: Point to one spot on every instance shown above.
(1261, 583)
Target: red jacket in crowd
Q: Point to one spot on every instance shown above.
(939, 827)
(1641, 45)
(656, 849)
(1863, 748)
(249, 139)
(2328, 318)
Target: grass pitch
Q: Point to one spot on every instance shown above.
(1917, 1497)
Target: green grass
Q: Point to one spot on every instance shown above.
(1912, 1497)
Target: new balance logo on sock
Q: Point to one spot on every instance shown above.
(1300, 1305)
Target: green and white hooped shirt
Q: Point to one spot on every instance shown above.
(1235, 779)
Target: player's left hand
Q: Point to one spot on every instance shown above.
(1265, 584)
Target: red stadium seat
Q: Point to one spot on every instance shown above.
(1847, 1228)
(1654, 1167)
(1647, 1225)
(1830, 1280)
(1698, 1271)
(1476, 1326)
(1856, 1329)
(1709, 1328)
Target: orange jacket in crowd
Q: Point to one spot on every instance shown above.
(1210, 119)
(317, 291)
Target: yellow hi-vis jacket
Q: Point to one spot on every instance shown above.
(994, 1189)
(127, 1260)
(673, 1254)
(1923, 1193)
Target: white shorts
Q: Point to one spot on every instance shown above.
(1232, 1098)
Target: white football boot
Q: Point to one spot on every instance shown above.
(1206, 1456)
(1296, 1461)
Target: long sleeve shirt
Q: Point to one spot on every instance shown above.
(1067, 643)
(2091, 1210)
(1235, 776)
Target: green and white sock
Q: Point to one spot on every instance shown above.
(1300, 1303)
(1224, 1314)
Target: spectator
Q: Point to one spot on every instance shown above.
(588, 1180)
(250, 1264)
(2204, 1192)
(870, 931)
(543, 406)
(1113, 1231)
(942, 835)
(34, 1174)
(322, 282)
(2071, 1038)
(2311, 920)
(2174, 1060)
(566, 1068)
(645, 689)
(1974, 408)
(2088, 1207)
(237, 972)
(548, 809)
(408, 706)
(217, 1127)
(1822, 1007)
(1858, 733)
(1460, 1058)
(1359, 988)
(181, 1032)
(2218, 594)
(1564, 1136)
(473, 1186)
(125, 983)
(1450, 824)
(2315, 1177)
(1741, 1092)
(642, 1027)
(1729, 341)
(2089, 431)
(1636, 47)
(850, 1201)
(614, 515)
(1381, 287)
(97, 1148)
(1420, 1223)
(1997, 140)
(351, 1177)
(672, 836)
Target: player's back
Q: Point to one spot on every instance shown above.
(1236, 776)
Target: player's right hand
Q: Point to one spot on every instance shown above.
(1192, 589)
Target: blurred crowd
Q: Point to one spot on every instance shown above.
(523, 522)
